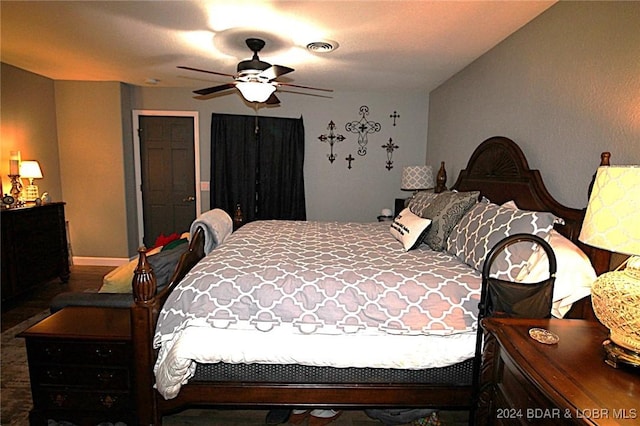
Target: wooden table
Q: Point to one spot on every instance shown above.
(527, 382)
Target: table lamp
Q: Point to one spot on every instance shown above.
(612, 222)
(30, 170)
(416, 178)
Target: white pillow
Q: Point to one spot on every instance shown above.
(574, 276)
(409, 229)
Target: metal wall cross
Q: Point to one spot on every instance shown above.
(390, 147)
(332, 139)
(349, 159)
(394, 116)
(363, 127)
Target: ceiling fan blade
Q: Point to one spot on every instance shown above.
(273, 100)
(207, 71)
(303, 87)
(275, 71)
(317, 95)
(214, 89)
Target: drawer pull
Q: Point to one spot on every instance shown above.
(104, 352)
(105, 377)
(54, 375)
(108, 401)
(53, 351)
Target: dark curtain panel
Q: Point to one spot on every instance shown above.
(258, 162)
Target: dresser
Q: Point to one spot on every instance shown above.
(81, 367)
(526, 382)
(34, 248)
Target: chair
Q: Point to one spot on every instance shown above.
(501, 298)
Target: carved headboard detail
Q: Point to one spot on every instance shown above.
(499, 170)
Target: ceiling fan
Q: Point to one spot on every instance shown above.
(255, 79)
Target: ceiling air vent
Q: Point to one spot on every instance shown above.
(322, 46)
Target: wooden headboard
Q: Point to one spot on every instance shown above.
(499, 170)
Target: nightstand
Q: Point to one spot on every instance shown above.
(526, 382)
(81, 367)
(399, 205)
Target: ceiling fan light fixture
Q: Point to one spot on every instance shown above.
(323, 46)
(254, 91)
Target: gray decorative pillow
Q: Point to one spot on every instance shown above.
(420, 201)
(445, 210)
(409, 229)
(485, 225)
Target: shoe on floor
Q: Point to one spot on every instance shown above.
(323, 417)
(298, 416)
(278, 416)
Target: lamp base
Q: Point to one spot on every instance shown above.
(617, 356)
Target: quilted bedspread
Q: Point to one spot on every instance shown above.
(323, 278)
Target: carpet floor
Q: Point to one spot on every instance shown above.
(15, 388)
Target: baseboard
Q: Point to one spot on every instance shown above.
(99, 261)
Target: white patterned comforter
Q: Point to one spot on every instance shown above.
(314, 281)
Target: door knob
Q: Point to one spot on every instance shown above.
(189, 199)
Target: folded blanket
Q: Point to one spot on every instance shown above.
(216, 224)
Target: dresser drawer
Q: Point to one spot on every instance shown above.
(66, 398)
(81, 377)
(49, 351)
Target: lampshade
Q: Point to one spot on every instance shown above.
(612, 222)
(30, 170)
(254, 91)
(415, 178)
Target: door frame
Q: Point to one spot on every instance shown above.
(137, 158)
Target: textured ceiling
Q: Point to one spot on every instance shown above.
(382, 44)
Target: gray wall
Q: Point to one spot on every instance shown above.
(565, 87)
(333, 192)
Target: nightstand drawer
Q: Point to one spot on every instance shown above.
(78, 352)
(82, 377)
(64, 398)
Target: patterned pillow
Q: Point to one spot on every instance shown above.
(485, 225)
(445, 210)
(409, 229)
(420, 201)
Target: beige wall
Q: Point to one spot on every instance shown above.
(90, 138)
(565, 87)
(28, 125)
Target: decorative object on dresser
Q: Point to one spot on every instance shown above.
(612, 222)
(14, 175)
(30, 169)
(81, 367)
(565, 383)
(34, 248)
(417, 178)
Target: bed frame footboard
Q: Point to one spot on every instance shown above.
(144, 315)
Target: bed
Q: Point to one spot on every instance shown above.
(238, 376)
